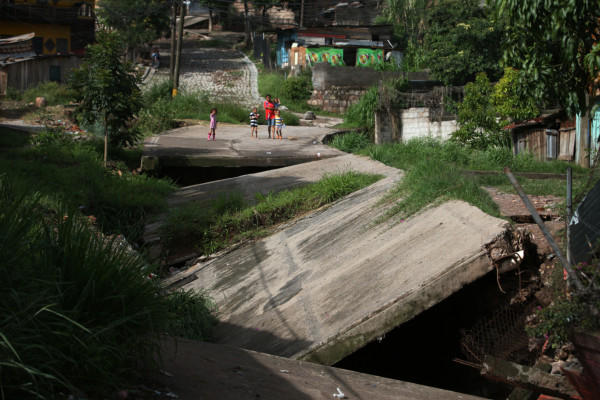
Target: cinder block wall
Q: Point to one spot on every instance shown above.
(410, 123)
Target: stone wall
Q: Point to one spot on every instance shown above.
(325, 76)
(402, 125)
(335, 99)
(337, 88)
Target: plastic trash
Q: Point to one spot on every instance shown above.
(339, 394)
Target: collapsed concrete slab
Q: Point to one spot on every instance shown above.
(327, 284)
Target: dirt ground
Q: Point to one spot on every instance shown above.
(512, 207)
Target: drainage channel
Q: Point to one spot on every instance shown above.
(428, 349)
(187, 176)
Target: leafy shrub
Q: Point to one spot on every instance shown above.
(569, 312)
(509, 102)
(13, 94)
(479, 127)
(290, 118)
(297, 88)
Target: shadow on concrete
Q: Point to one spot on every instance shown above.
(208, 371)
(175, 152)
(248, 185)
(255, 340)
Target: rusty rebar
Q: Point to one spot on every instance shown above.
(536, 217)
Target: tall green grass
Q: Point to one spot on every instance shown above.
(78, 313)
(53, 92)
(212, 226)
(436, 171)
(71, 173)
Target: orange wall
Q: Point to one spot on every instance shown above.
(52, 32)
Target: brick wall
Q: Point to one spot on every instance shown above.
(407, 124)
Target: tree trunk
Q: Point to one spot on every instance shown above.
(179, 44)
(247, 24)
(210, 24)
(105, 140)
(173, 43)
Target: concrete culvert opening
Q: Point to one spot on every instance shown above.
(187, 176)
(442, 347)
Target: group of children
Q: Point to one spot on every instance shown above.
(278, 123)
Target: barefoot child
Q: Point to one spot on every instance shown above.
(213, 123)
(278, 125)
(254, 123)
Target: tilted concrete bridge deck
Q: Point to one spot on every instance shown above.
(326, 284)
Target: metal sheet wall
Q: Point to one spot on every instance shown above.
(24, 74)
(585, 226)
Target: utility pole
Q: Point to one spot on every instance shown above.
(302, 14)
(179, 44)
(173, 43)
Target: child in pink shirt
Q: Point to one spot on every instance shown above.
(213, 123)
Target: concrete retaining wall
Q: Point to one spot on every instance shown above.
(406, 124)
(336, 99)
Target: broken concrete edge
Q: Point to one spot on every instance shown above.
(24, 128)
(399, 311)
(528, 378)
(196, 265)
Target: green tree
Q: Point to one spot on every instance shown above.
(409, 16)
(136, 21)
(106, 87)
(477, 117)
(462, 40)
(509, 102)
(553, 43)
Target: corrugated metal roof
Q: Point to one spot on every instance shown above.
(17, 39)
(585, 226)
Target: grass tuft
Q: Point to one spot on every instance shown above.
(228, 219)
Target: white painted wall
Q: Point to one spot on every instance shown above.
(416, 123)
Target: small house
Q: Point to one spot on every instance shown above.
(550, 137)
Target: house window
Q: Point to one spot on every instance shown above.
(55, 73)
(38, 44)
(62, 46)
(85, 10)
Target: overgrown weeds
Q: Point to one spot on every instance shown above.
(568, 311)
(79, 314)
(53, 92)
(229, 219)
(69, 172)
(435, 171)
